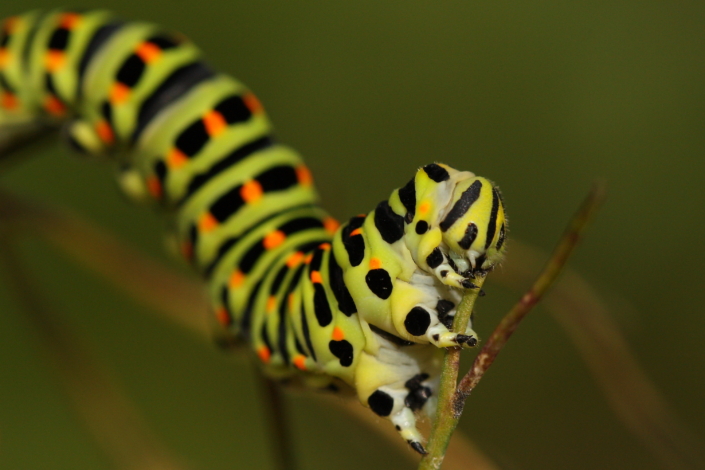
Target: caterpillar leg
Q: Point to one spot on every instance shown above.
(396, 384)
(420, 315)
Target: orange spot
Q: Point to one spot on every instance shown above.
(9, 101)
(357, 231)
(223, 316)
(187, 250)
(4, 57)
(252, 103)
(215, 123)
(324, 246)
(308, 258)
(264, 354)
(338, 334)
(331, 225)
(273, 239)
(294, 259)
(375, 263)
(154, 186)
(54, 106)
(148, 52)
(54, 60)
(424, 207)
(119, 93)
(316, 277)
(69, 20)
(105, 132)
(207, 223)
(237, 278)
(303, 174)
(300, 361)
(176, 158)
(251, 192)
(271, 303)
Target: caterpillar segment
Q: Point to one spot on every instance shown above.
(369, 304)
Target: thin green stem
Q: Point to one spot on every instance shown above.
(543, 282)
(445, 422)
(452, 400)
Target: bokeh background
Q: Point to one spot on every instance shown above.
(542, 97)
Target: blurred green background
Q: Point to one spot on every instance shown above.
(541, 97)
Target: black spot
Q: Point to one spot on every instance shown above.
(379, 282)
(278, 178)
(346, 304)
(320, 306)
(407, 196)
(492, 225)
(418, 394)
(462, 205)
(417, 321)
(443, 307)
(435, 258)
(436, 173)
(343, 350)
(436, 337)
(389, 224)
(469, 237)
(192, 139)
(397, 427)
(502, 236)
(421, 227)
(59, 39)
(381, 403)
(354, 245)
(417, 447)
(233, 110)
(444, 273)
(131, 70)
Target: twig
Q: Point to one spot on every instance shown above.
(449, 411)
(277, 419)
(543, 282)
(445, 422)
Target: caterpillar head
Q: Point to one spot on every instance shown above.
(474, 225)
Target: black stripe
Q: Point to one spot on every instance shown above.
(389, 224)
(492, 226)
(306, 332)
(278, 178)
(469, 237)
(346, 304)
(29, 42)
(246, 321)
(281, 340)
(232, 241)
(100, 37)
(231, 159)
(462, 205)
(180, 82)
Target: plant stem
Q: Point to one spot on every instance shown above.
(543, 282)
(452, 401)
(445, 422)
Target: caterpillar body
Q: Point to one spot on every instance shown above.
(368, 303)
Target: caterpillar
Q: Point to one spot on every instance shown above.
(367, 304)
